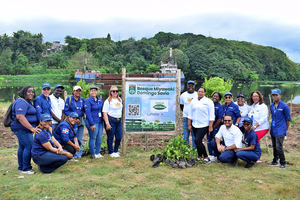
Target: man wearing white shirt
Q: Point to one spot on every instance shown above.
(185, 101)
(57, 106)
(201, 116)
(232, 139)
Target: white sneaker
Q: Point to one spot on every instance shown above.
(112, 155)
(29, 172)
(73, 160)
(259, 161)
(117, 154)
(213, 159)
(98, 156)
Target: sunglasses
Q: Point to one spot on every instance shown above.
(228, 97)
(114, 91)
(46, 89)
(246, 124)
(227, 120)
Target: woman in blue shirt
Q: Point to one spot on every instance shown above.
(24, 121)
(46, 151)
(230, 108)
(75, 103)
(94, 122)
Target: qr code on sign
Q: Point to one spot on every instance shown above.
(133, 110)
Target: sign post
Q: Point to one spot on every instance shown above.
(151, 106)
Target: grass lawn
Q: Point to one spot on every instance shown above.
(132, 177)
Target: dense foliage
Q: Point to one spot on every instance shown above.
(198, 56)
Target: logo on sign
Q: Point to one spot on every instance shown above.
(132, 89)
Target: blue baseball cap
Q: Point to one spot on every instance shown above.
(276, 91)
(228, 93)
(247, 119)
(59, 86)
(93, 87)
(74, 114)
(191, 82)
(45, 117)
(46, 85)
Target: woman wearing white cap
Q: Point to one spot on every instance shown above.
(75, 103)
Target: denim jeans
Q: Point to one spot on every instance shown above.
(186, 132)
(49, 161)
(114, 132)
(228, 156)
(211, 142)
(95, 139)
(248, 156)
(79, 136)
(25, 140)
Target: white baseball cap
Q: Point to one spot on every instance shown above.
(77, 87)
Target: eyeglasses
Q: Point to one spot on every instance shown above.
(46, 89)
(114, 91)
(240, 98)
(228, 97)
(246, 124)
(227, 120)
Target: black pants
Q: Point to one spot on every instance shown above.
(69, 148)
(277, 143)
(199, 135)
(49, 161)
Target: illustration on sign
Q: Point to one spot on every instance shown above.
(150, 106)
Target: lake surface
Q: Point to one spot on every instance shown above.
(288, 89)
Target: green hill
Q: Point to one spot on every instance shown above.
(198, 56)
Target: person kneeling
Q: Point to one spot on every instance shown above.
(46, 151)
(65, 133)
(252, 152)
(232, 138)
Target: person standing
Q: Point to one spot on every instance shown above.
(46, 152)
(75, 103)
(232, 139)
(42, 103)
(24, 122)
(230, 108)
(57, 106)
(185, 101)
(112, 113)
(251, 153)
(201, 116)
(244, 109)
(211, 143)
(281, 118)
(259, 114)
(94, 122)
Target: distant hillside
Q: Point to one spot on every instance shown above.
(198, 56)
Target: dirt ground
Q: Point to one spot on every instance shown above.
(8, 139)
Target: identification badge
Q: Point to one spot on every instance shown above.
(273, 123)
(100, 115)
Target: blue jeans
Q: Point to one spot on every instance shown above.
(95, 138)
(79, 136)
(228, 156)
(248, 156)
(25, 139)
(115, 131)
(49, 161)
(186, 132)
(211, 142)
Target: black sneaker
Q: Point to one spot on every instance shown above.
(273, 163)
(282, 166)
(249, 165)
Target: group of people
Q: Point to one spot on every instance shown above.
(233, 124)
(50, 130)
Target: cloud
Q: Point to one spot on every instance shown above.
(218, 25)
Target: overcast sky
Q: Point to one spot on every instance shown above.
(262, 22)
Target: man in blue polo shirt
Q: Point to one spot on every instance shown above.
(281, 118)
(42, 103)
(252, 152)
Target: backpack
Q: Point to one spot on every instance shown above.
(8, 115)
